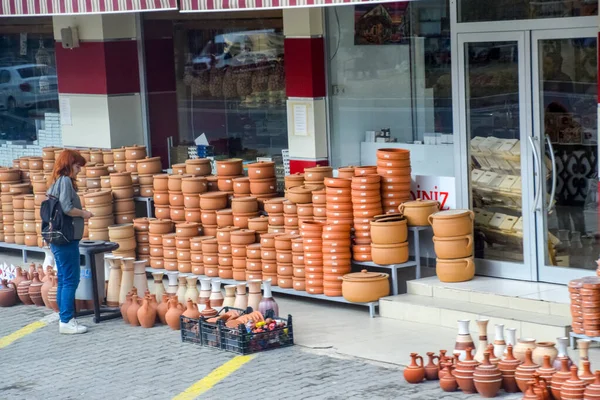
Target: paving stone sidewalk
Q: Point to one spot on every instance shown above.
(118, 362)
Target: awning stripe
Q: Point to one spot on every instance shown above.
(11, 8)
(220, 5)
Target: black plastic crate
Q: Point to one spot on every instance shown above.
(201, 332)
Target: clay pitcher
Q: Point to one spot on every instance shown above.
(432, 368)
(540, 387)
(41, 275)
(8, 294)
(18, 277)
(52, 294)
(192, 310)
(173, 314)
(448, 382)
(132, 311)
(35, 290)
(414, 373)
(146, 315)
(125, 306)
(23, 290)
(46, 288)
(162, 308)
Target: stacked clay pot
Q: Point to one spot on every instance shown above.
(183, 233)
(93, 175)
(146, 169)
(179, 169)
(389, 239)
(141, 227)
(243, 209)
(312, 243)
(39, 182)
(262, 178)
(366, 204)
(590, 304)
(30, 218)
(176, 199)
(290, 218)
(160, 188)
(156, 229)
(18, 212)
(241, 187)
(575, 286)
(299, 273)
(259, 225)
(241, 238)
(132, 155)
(192, 187)
(453, 243)
(268, 255)
(210, 203)
(24, 167)
(101, 205)
(253, 262)
(274, 209)
(337, 258)
(339, 201)
(319, 202)
(198, 167)
(285, 266)
(393, 165)
(8, 217)
(238, 263)
(225, 261)
(210, 257)
(196, 259)
(293, 180)
(9, 176)
(124, 236)
(121, 184)
(315, 176)
(227, 171)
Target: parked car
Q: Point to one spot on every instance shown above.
(26, 85)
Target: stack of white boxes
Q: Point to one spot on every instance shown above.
(50, 136)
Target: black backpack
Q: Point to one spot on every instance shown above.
(57, 227)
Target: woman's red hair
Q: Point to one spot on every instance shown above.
(64, 165)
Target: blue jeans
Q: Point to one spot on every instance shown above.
(67, 264)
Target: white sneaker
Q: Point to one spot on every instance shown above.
(71, 328)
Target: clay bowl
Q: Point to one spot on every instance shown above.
(213, 201)
(198, 167)
(259, 224)
(331, 199)
(339, 207)
(388, 163)
(365, 170)
(229, 167)
(224, 218)
(263, 186)
(241, 185)
(261, 170)
(267, 240)
(385, 171)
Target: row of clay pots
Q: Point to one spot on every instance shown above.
(389, 237)
(366, 204)
(141, 226)
(575, 286)
(312, 242)
(393, 165)
(262, 178)
(284, 264)
(339, 201)
(268, 256)
(336, 257)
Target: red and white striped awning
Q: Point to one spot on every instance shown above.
(15, 8)
(220, 5)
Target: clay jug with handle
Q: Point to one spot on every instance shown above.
(415, 373)
(432, 368)
(146, 314)
(132, 311)
(173, 314)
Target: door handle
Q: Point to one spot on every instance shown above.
(551, 203)
(535, 207)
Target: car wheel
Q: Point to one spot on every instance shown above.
(11, 105)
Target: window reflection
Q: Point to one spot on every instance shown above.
(506, 10)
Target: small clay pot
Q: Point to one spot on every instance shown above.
(161, 198)
(242, 236)
(317, 174)
(198, 167)
(259, 224)
(241, 185)
(300, 194)
(209, 217)
(417, 212)
(457, 270)
(194, 185)
(244, 205)
(452, 223)
(296, 179)
(224, 218)
(157, 226)
(161, 182)
(453, 247)
(225, 183)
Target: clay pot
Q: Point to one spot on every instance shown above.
(173, 313)
(120, 179)
(263, 186)
(456, 270)
(259, 224)
(213, 201)
(198, 166)
(229, 167)
(364, 286)
(386, 254)
(194, 185)
(300, 194)
(132, 311)
(559, 378)
(487, 378)
(414, 373)
(296, 179)
(417, 212)
(521, 348)
(161, 182)
(261, 169)
(317, 174)
(100, 198)
(524, 372)
(191, 311)
(508, 367)
(244, 205)
(389, 230)
(464, 372)
(242, 236)
(225, 183)
(8, 293)
(135, 152)
(452, 223)
(156, 226)
(241, 185)
(187, 229)
(224, 234)
(453, 247)
(572, 388)
(121, 231)
(592, 391)
(542, 349)
(393, 154)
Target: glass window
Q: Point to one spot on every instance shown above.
(506, 10)
(389, 68)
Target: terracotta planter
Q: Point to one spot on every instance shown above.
(198, 167)
(364, 286)
(452, 223)
(161, 182)
(229, 167)
(456, 270)
(149, 165)
(213, 201)
(417, 212)
(386, 254)
(194, 185)
(261, 170)
(263, 186)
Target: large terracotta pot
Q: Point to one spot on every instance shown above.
(417, 212)
(453, 247)
(244, 205)
(229, 167)
(198, 166)
(121, 231)
(317, 174)
(194, 184)
(149, 165)
(455, 270)
(263, 186)
(389, 230)
(452, 223)
(364, 286)
(261, 169)
(157, 226)
(296, 179)
(386, 254)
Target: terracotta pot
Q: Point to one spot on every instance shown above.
(455, 270)
(242, 236)
(229, 167)
(157, 226)
(209, 217)
(417, 212)
(96, 171)
(452, 223)
(145, 191)
(135, 152)
(267, 240)
(507, 368)
(259, 224)
(389, 230)
(487, 378)
(124, 206)
(213, 201)
(101, 210)
(225, 183)
(194, 185)
(573, 388)
(174, 182)
(414, 373)
(193, 215)
(198, 166)
(224, 234)
(337, 183)
(263, 186)
(187, 229)
(212, 183)
(244, 205)
(559, 378)
(177, 213)
(393, 154)
(261, 170)
(224, 218)
(162, 198)
(275, 205)
(296, 179)
(386, 254)
(542, 349)
(364, 286)
(525, 371)
(453, 247)
(276, 219)
(161, 182)
(149, 165)
(396, 164)
(241, 185)
(301, 194)
(145, 179)
(317, 174)
(210, 246)
(98, 223)
(240, 220)
(125, 192)
(268, 254)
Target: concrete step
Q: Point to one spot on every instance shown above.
(536, 297)
(445, 312)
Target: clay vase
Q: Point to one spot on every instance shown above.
(181, 289)
(208, 311)
(584, 346)
(8, 294)
(18, 277)
(487, 377)
(530, 394)
(511, 338)
(114, 281)
(192, 289)
(524, 372)
(562, 343)
(540, 387)
(592, 391)
(483, 339)
(572, 388)
(52, 294)
(414, 373)
(46, 287)
(172, 286)
(146, 314)
(35, 290)
(268, 302)
(125, 306)
(499, 343)
(463, 339)
(204, 290)
(522, 345)
(152, 303)
(216, 297)
(23, 290)
(132, 311)
(241, 297)
(432, 369)
(508, 367)
(192, 310)
(560, 377)
(173, 314)
(162, 308)
(159, 287)
(254, 294)
(126, 278)
(546, 371)
(41, 275)
(139, 276)
(464, 373)
(586, 374)
(493, 359)
(229, 300)
(448, 382)
(542, 349)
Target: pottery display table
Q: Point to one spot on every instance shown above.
(24, 249)
(149, 205)
(574, 336)
(90, 250)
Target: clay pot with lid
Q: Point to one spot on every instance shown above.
(301, 194)
(198, 167)
(149, 165)
(417, 212)
(158, 226)
(241, 185)
(187, 229)
(242, 236)
(224, 217)
(244, 205)
(135, 152)
(453, 247)
(193, 185)
(389, 230)
(229, 167)
(213, 201)
(386, 254)
(161, 182)
(259, 224)
(296, 179)
(365, 287)
(263, 186)
(455, 270)
(452, 223)
(487, 377)
(261, 169)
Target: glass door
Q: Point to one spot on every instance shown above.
(565, 110)
(495, 87)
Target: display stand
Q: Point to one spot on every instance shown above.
(24, 249)
(574, 336)
(149, 205)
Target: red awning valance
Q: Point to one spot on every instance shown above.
(231, 5)
(12, 8)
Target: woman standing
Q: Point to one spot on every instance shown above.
(64, 187)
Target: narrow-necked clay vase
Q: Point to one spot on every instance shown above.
(464, 373)
(8, 294)
(448, 382)
(586, 374)
(18, 277)
(487, 377)
(132, 311)
(52, 294)
(432, 368)
(562, 343)
(482, 344)
(192, 310)
(546, 371)
(463, 339)
(493, 359)
(443, 359)
(46, 287)
(508, 367)
(173, 314)
(414, 373)
(162, 308)
(559, 378)
(23, 290)
(146, 314)
(208, 311)
(592, 391)
(572, 388)
(524, 372)
(125, 306)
